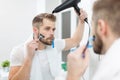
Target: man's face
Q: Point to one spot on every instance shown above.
(47, 29)
(97, 43)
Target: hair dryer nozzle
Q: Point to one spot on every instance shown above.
(65, 5)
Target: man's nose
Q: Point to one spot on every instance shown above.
(51, 32)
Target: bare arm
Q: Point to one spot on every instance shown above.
(76, 38)
(23, 72)
(72, 78)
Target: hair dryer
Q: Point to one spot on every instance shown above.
(68, 4)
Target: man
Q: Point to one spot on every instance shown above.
(36, 59)
(106, 29)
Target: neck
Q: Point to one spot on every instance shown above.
(108, 43)
(41, 46)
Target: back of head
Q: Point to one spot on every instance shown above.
(109, 11)
(38, 20)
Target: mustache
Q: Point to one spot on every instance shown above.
(41, 36)
(51, 38)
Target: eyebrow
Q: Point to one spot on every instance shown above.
(50, 27)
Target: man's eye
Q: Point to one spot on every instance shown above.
(47, 28)
(53, 29)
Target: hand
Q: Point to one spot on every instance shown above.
(76, 64)
(83, 15)
(32, 46)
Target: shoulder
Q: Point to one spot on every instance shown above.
(59, 44)
(17, 55)
(18, 50)
(59, 40)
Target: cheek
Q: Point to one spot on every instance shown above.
(93, 30)
(44, 33)
(97, 45)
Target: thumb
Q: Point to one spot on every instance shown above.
(35, 36)
(83, 52)
(80, 50)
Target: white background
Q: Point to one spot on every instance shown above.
(16, 23)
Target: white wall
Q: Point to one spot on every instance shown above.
(16, 22)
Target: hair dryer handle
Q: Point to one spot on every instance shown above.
(77, 9)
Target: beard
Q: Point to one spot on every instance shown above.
(47, 41)
(97, 44)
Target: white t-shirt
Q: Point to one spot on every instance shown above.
(44, 65)
(109, 68)
(45, 62)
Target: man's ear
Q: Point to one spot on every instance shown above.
(35, 30)
(102, 27)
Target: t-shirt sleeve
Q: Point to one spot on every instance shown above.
(16, 56)
(59, 44)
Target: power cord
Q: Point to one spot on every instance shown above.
(87, 45)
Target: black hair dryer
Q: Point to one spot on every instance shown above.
(68, 4)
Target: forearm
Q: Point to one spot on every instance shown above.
(72, 77)
(24, 71)
(77, 37)
(79, 32)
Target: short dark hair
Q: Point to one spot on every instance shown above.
(108, 10)
(38, 20)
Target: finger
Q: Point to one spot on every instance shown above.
(35, 40)
(35, 36)
(81, 10)
(34, 44)
(80, 50)
(83, 15)
(87, 56)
